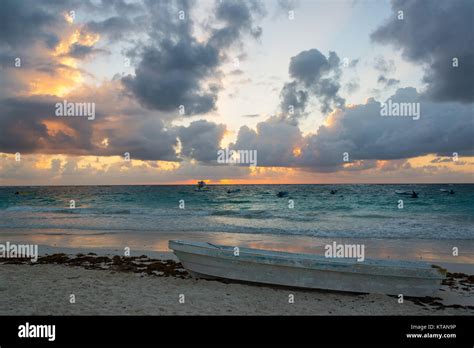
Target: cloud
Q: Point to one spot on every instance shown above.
(383, 65)
(24, 128)
(313, 75)
(49, 47)
(293, 101)
(274, 141)
(448, 160)
(172, 74)
(82, 51)
(29, 125)
(181, 62)
(352, 86)
(30, 32)
(177, 69)
(236, 72)
(353, 63)
(173, 69)
(238, 18)
(434, 34)
(309, 66)
(283, 7)
(362, 133)
(365, 135)
(387, 82)
(145, 139)
(201, 139)
(114, 27)
(288, 4)
(25, 23)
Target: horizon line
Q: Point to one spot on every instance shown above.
(253, 184)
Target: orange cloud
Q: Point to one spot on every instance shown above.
(67, 75)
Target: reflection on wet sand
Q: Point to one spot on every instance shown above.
(412, 249)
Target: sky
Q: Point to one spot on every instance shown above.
(300, 83)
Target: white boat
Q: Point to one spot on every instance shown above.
(206, 260)
(401, 192)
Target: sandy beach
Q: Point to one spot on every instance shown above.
(139, 285)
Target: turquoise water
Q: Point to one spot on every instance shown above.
(355, 211)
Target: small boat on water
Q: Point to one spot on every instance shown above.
(201, 186)
(206, 260)
(402, 192)
(412, 194)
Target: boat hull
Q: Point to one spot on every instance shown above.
(312, 271)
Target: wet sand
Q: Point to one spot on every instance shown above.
(436, 251)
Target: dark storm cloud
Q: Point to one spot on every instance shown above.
(114, 27)
(238, 18)
(22, 128)
(79, 51)
(171, 75)
(313, 75)
(201, 139)
(7, 60)
(175, 70)
(293, 101)
(365, 135)
(172, 70)
(122, 7)
(309, 66)
(31, 30)
(274, 141)
(434, 33)
(25, 22)
(148, 139)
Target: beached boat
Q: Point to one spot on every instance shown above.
(206, 260)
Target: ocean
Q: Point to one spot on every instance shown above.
(354, 211)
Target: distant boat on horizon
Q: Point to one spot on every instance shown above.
(202, 186)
